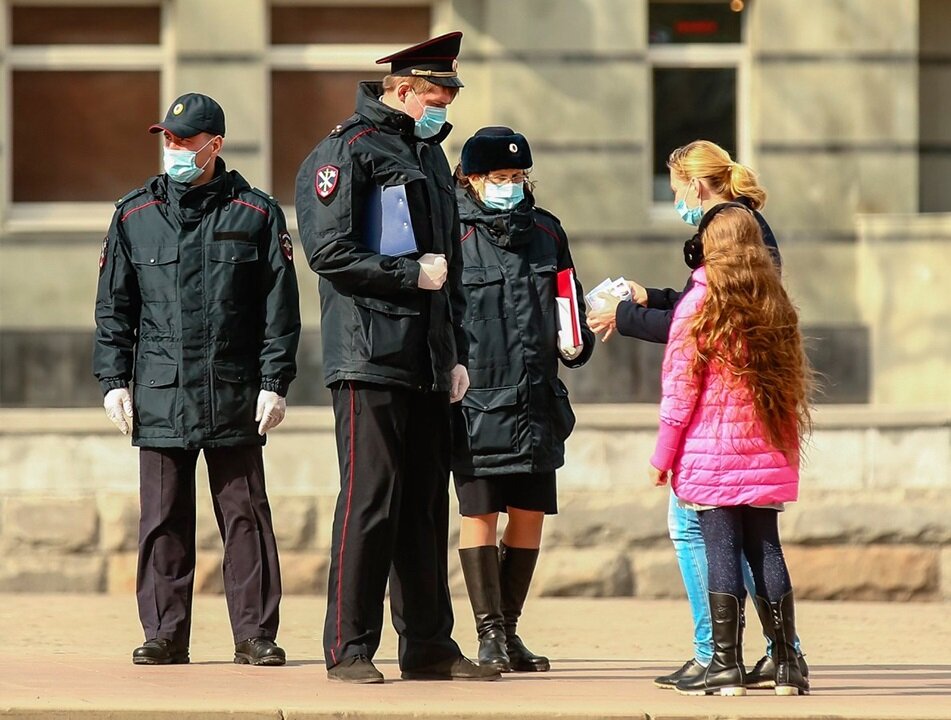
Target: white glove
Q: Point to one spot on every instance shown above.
(271, 410)
(432, 271)
(459, 378)
(118, 406)
(571, 353)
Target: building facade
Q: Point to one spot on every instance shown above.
(841, 107)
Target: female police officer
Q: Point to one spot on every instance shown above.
(511, 426)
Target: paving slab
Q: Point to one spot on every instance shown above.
(67, 656)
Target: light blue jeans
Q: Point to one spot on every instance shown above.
(684, 528)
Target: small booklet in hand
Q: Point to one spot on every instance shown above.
(569, 321)
(619, 288)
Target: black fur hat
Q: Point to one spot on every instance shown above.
(495, 148)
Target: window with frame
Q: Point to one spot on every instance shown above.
(698, 74)
(318, 55)
(82, 80)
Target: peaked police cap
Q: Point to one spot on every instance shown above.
(434, 60)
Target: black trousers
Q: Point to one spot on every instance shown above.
(166, 570)
(391, 520)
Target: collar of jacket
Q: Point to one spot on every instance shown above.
(506, 228)
(222, 188)
(387, 119)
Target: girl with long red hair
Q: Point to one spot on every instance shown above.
(734, 412)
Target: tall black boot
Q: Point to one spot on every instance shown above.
(480, 567)
(779, 627)
(725, 674)
(516, 567)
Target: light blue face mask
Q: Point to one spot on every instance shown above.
(180, 164)
(691, 216)
(503, 197)
(431, 121)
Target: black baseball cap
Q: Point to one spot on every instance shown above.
(434, 60)
(190, 114)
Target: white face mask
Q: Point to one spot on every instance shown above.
(503, 197)
(180, 164)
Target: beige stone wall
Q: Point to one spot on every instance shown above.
(872, 522)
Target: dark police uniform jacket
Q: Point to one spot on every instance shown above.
(515, 416)
(652, 322)
(198, 307)
(376, 324)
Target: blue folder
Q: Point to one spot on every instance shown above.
(387, 227)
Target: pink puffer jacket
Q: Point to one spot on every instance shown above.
(709, 434)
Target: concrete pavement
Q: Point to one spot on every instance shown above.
(67, 656)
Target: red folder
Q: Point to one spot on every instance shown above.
(569, 321)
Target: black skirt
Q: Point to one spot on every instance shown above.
(497, 493)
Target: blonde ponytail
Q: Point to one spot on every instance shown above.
(709, 162)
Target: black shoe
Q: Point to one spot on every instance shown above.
(492, 652)
(160, 651)
(521, 659)
(357, 669)
(689, 670)
(259, 651)
(480, 567)
(457, 668)
(763, 674)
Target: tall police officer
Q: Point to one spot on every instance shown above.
(379, 223)
(198, 307)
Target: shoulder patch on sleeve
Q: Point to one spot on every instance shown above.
(103, 253)
(287, 247)
(270, 199)
(326, 181)
(129, 196)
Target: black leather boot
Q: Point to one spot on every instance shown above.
(779, 627)
(480, 567)
(516, 567)
(725, 674)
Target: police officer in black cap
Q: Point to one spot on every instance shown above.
(380, 226)
(197, 307)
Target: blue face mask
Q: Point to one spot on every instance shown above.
(431, 121)
(691, 216)
(180, 164)
(503, 197)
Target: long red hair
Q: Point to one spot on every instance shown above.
(749, 327)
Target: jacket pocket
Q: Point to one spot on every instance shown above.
(234, 395)
(156, 268)
(155, 397)
(562, 416)
(485, 297)
(389, 333)
(544, 272)
(232, 272)
(491, 417)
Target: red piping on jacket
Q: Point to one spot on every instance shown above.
(136, 209)
(359, 135)
(554, 235)
(463, 239)
(253, 207)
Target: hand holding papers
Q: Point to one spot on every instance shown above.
(618, 288)
(569, 320)
(602, 304)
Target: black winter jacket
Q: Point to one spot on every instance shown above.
(516, 415)
(198, 306)
(652, 322)
(376, 324)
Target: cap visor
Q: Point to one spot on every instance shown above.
(446, 81)
(178, 129)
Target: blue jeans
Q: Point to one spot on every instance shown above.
(684, 528)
